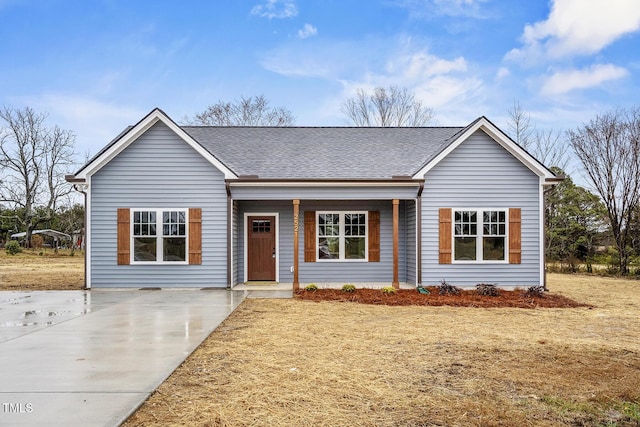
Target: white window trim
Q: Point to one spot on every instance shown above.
(479, 236)
(341, 236)
(159, 236)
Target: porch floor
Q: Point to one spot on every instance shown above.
(274, 286)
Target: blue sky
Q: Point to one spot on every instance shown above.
(97, 66)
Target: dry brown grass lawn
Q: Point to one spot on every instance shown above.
(300, 363)
(29, 271)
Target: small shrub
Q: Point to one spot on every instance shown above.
(12, 247)
(311, 287)
(535, 291)
(446, 289)
(487, 289)
(348, 288)
(389, 290)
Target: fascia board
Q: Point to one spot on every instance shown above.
(322, 183)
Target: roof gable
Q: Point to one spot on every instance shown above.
(132, 133)
(484, 124)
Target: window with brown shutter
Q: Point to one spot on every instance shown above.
(124, 240)
(309, 236)
(445, 236)
(159, 236)
(515, 236)
(480, 235)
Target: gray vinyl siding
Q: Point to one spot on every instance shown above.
(158, 170)
(327, 272)
(481, 174)
(410, 218)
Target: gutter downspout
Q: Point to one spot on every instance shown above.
(419, 234)
(229, 234)
(78, 188)
(544, 234)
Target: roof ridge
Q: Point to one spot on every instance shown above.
(322, 127)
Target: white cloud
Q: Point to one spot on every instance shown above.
(502, 73)
(568, 80)
(276, 9)
(436, 81)
(94, 122)
(578, 27)
(421, 64)
(307, 30)
(457, 8)
(445, 84)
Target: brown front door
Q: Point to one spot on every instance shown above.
(261, 248)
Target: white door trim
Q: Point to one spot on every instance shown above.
(246, 242)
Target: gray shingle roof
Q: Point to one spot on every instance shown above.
(323, 152)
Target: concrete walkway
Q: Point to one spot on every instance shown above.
(90, 358)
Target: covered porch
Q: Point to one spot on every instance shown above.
(287, 234)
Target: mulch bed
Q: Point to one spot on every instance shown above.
(466, 298)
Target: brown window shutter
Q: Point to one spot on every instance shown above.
(124, 236)
(309, 236)
(195, 236)
(374, 236)
(445, 236)
(515, 236)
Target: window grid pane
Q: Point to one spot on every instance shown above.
(354, 248)
(144, 223)
(174, 249)
(173, 224)
(144, 248)
(494, 223)
(329, 248)
(354, 224)
(329, 225)
(261, 226)
(465, 223)
(493, 248)
(465, 249)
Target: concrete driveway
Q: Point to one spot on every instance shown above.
(90, 358)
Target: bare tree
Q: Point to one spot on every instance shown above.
(546, 146)
(386, 107)
(251, 111)
(609, 149)
(550, 149)
(519, 123)
(34, 159)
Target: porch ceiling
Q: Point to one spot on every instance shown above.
(324, 190)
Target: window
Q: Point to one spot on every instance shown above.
(480, 235)
(159, 235)
(342, 236)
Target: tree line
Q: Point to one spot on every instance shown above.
(35, 156)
